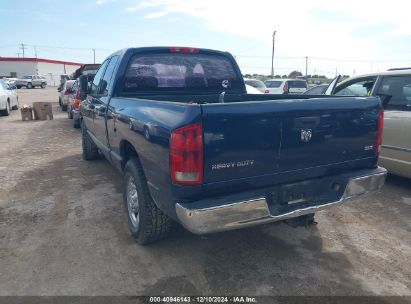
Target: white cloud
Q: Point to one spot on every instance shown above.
(301, 31)
(156, 15)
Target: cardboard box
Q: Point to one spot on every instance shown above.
(42, 110)
(26, 113)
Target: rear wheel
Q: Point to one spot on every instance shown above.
(90, 151)
(6, 112)
(63, 107)
(147, 133)
(146, 222)
(69, 113)
(43, 85)
(29, 86)
(16, 107)
(76, 123)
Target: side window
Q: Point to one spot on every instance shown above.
(398, 92)
(96, 81)
(108, 74)
(361, 87)
(2, 85)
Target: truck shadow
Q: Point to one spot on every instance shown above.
(86, 204)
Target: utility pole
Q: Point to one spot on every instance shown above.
(306, 66)
(272, 56)
(35, 52)
(18, 55)
(94, 55)
(22, 47)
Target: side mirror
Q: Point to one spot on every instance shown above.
(83, 85)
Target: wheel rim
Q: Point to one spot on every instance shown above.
(146, 133)
(132, 202)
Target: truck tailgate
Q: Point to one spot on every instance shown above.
(249, 140)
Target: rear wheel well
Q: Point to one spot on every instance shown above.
(127, 151)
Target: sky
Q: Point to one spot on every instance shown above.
(348, 37)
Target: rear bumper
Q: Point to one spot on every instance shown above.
(234, 214)
(76, 114)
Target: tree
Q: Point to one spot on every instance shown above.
(294, 74)
(284, 76)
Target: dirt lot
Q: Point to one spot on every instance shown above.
(63, 231)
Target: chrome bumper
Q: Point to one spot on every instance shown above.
(239, 214)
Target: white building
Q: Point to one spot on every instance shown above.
(50, 69)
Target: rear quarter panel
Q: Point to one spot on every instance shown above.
(131, 116)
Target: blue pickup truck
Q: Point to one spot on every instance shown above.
(195, 148)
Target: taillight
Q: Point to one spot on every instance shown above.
(186, 155)
(184, 50)
(266, 91)
(285, 88)
(76, 104)
(380, 130)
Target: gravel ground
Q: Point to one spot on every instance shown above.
(63, 231)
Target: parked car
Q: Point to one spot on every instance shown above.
(317, 90)
(64, 93)
(31, 81)
(73, 104)
(9, 99)
(252, 90)
(85, 69)
(223, 159)
(258, 84)
(286, 86)
(394, 88)
(10, 81)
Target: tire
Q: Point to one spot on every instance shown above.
(43, 85)
(76, 124)
(29, 86)
(69, 113)
(63, 107)
(90, 151)
(146, 222)
(6, 112)
(18, 87)
(16, 107)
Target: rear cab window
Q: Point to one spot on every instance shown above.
(273, 83)
(255, 83)
(175, 72)
(297, 84)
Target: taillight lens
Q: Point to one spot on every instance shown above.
(186, 155)
(76, 104)
(380, 130)
(266, 91)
